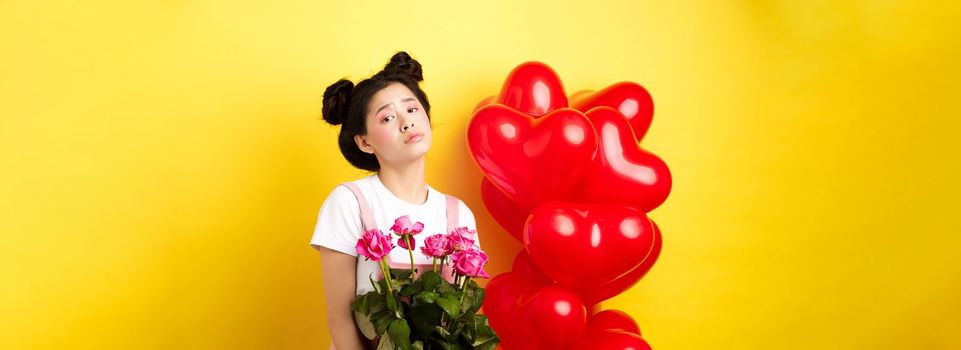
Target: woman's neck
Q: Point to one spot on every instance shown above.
(406, 182)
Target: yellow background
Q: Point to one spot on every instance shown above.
(163, 161)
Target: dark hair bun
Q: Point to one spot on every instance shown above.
(335, 101)
(402, 64)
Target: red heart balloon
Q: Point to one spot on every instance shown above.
(532, 88)
(630, 99)
(525, 267)
(622, 172)
(582, 245)
(614, 340)
(505, 297)
(531, 160)
(507, 213)
(596, 294)
(485, 101)
(611, 320)
(558, 315)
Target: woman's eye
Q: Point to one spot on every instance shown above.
(411, 109)
(387, 118)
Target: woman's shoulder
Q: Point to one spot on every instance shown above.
(343, 193)
(462, 206)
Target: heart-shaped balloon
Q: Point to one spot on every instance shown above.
(611, 320)
(531, 160)
(504, 210)
(622, 172)
(581, 244)
(558, 315)
(525, 267)
(599, 293)
(483, 102)
(630, 99)
(505, 298)
(532, 88)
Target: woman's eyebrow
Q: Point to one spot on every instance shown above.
(388, 104)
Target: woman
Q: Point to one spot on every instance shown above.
(386, 130)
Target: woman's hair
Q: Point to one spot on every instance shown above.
(346, 104)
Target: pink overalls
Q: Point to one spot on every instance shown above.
(369, 222)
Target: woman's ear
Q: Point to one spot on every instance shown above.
(363, 145)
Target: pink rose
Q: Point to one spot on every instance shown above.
(406, 230)
(374, 245)
(402, 242)
(470, 262)
(460, 238)
(403, 226)
(435, 246)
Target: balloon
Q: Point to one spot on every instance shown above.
(611, 320)
(532, 88)
(622, 172)
(504, 301)
(531, 160)
(630, 99)
(596, 294)
(524, 266)
(558, 315)
(614, 340)
(582, 245)
(485, 101)
(507, 213)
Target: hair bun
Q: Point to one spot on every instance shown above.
(402, 64)
(335, 101)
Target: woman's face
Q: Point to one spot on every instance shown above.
(398, 130)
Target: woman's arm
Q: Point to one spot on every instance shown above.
(340, 283)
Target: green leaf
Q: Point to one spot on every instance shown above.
(483, 333)
(381, 320)
(477, 301)
(425, 317)
(366, 327)
(426, 297)
(385, 344)
(412, 288)
(361, 304)
(431, 280)
(450, 303)
(467, 302)
(443, 332)
(394, 305)
(399, 332)
(376, 286)
(400, 274)
(417, 345)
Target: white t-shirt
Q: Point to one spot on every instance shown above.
(339, 225)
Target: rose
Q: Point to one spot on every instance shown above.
(406, 230)
(435, 246)
(374, 245)
(470, 262)
(403, 226)
(460, 239)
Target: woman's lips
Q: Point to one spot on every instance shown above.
(414, 137)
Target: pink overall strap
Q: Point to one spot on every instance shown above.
(367, 218)
(366, 215)
(452, 207)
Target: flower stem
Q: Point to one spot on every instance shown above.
(387, 277)
(411, 253)
(435, 264)
(463, 289)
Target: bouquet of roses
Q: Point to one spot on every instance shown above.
(426, 311)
